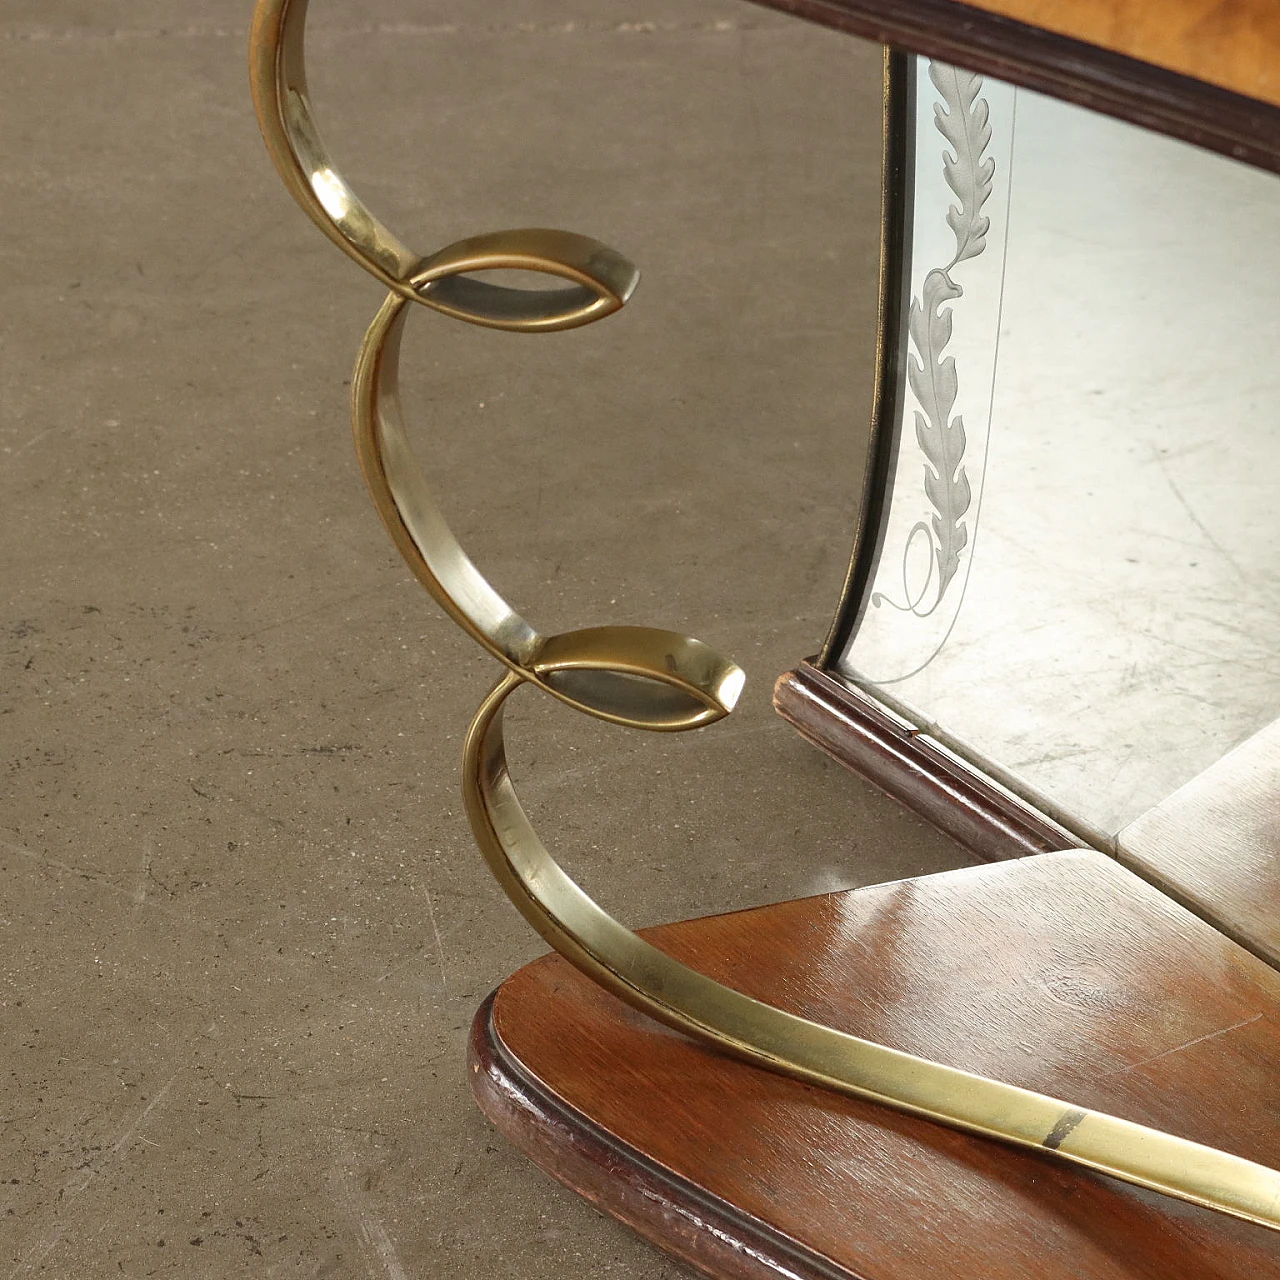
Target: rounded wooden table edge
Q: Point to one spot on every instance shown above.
(667, 1210)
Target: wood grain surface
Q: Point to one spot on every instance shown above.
(1215, 844)
(874, 742)
(1234, 44)
(1206, 71)
(1062, 972)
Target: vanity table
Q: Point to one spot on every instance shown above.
(1057, 634)
(1061, 1063)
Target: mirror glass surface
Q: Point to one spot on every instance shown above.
(1076, 580)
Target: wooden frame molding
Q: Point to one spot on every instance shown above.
(1063, 973)
(1097, 70)
(871, 740)
(676, 1215)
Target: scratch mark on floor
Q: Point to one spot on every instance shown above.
(1052, 757)
(1200, 524)
(140, 889)
(1178, 1048)
(37, 1254)
(35, 440)
(45, 1246)
(323, 607)
(127, 1135)
(91, 874)
(32, 34)
(372, 1232)
(435, 929)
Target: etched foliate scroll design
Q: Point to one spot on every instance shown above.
(963, 120)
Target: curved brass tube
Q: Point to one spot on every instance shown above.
(601, 278)
(725, 1019)
(638, 676)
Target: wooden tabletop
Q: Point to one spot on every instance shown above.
(1206, 71)
(1234, 44)
(1215, 844)
(1060, 972)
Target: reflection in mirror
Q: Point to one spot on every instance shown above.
(1075, 579)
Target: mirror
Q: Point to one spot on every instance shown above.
(1074, 582)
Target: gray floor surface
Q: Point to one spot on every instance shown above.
(243, 928)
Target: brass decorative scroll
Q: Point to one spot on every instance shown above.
(674, 681)
(600, 279)
(636, 676)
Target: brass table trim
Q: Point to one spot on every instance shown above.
(716, 1015)
(601, 279)
(636, 676)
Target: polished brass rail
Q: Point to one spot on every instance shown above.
(636, 676)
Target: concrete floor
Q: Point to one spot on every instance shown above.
(244, 928)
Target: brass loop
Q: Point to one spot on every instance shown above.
(600, 279)
(638, 676)
(727, 1020)
(642, 677)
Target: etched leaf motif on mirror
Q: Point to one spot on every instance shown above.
(963, 120)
